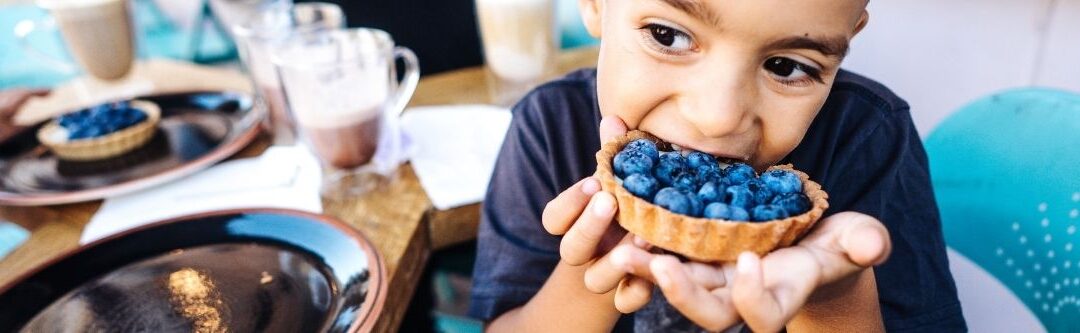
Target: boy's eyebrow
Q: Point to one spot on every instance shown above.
(836, 46)
(696, 9)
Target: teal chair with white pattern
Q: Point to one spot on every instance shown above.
(1006, 173)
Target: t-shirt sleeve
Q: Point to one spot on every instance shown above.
(515, 255)
(888, 177)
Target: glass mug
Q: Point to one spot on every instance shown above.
(339, 85)
(256, 37)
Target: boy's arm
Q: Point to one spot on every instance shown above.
(562, 305)
(848, 305)
(583, 293)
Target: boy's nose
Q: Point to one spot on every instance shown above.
(719, 105)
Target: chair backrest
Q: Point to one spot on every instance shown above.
(1006, 173)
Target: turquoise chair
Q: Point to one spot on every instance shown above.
(1006, 173)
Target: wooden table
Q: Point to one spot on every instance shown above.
(400, 220)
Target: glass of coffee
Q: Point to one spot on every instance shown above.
(519, 38)
(99, 36)
(266, 29)
(340, 85)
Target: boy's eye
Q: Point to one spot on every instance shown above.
(668, 38)
(789, 71)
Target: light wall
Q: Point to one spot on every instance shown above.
(942, 54)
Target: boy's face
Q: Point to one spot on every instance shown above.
(740, 79)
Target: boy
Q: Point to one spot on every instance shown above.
(751, 80)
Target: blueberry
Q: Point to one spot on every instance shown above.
(710, 192)
(685, 182)
(673, 200)
(93, 132)
(762, 195)
(768, 213)
(739, 196)
(782, 181)
(739, 173)
(739, 214)
(98, 112)
(641, 185)
(138, 117)
(631, 162)
(718, 210)
(67, 120)
(644, 146)
(696, 206)
(671, 165)
(76, 134)
(708, 173)
(793, 203)
(697, 158)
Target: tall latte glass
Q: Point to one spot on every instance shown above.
(99, 36)
(519, 39)
(339, 85)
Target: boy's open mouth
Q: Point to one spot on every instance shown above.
(723, 159)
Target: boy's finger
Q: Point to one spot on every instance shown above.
(865, 240)
(579, 244)
(846, 243)
(642, 243)
(610, 127)
(605, 273)
(561, 212)
(633, 293)
(758, 307)
(704, 275)
(707, 276)
(696, 303)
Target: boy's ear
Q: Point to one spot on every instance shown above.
(590, 15)
(863, 20)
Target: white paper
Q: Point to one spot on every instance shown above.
(454, 150)
(282, 177)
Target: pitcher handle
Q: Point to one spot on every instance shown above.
(407, 85)
(24, 28)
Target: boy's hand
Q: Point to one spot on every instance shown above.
(766, 292)
(583, 215)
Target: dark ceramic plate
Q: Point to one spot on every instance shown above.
(197, 130)
(258, 270)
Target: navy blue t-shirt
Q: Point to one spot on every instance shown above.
(862, 148)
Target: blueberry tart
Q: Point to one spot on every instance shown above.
(101, 131)
(708, 210)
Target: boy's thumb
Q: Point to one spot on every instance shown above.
(610, 127)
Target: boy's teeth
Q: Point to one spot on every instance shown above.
(723, 160)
